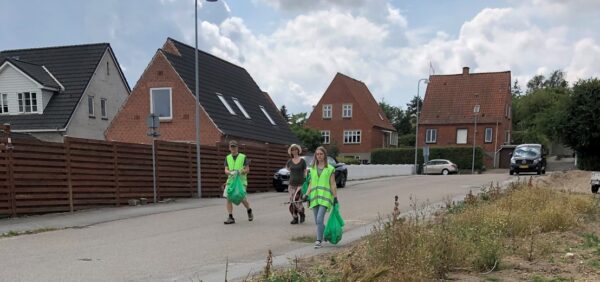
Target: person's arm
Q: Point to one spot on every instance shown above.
(333, 187)
(246, 168)
(227, 168)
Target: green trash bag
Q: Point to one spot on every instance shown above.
(305, 185)
(235, 190)
(335, 226)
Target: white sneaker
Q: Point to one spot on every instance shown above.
(318, 244)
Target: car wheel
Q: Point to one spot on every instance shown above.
(280, 188)
(511, 172)
(539, 171)
(342, 182)
(445, 172)
(595, 189)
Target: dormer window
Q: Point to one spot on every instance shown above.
(267, 115)
(27, 102)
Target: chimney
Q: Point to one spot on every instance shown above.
(465, 70)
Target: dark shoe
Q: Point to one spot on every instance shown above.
(250, 215)
(302, 218)
(295, 221)
(229, 220)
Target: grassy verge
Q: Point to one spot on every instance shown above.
(493, 231)
(28, 232)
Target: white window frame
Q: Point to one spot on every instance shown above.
(239, 105)
(170, 102)
(394, 138)
(353, 136)
(91, 109)
(466, 131)
(326, 134)
(431, 136)
(4, 103)
(507, 137)
(491, 135)
(327, 111)
(21, 99)
(346, 110)
(267, 115)
(103, 109)
(226, 104)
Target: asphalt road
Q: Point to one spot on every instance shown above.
(193, 244)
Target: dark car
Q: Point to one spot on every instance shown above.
(281, 177)
(528, 158)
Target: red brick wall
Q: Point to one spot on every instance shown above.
(446, 137)
(336, 95)
(130, 123)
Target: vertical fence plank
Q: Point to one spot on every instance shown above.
(116, 173)
(11, 183)
(68, 167)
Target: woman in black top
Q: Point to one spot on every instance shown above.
(297, 167)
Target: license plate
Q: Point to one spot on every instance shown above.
(524, 166)
(285, 182)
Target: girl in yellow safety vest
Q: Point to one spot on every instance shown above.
(322, 191)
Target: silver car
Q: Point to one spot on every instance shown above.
(440, 166)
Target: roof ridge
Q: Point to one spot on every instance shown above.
(55, 47)
(472, 73)
(204, 52)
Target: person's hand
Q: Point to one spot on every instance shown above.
(335, 201)
(233, 172)
(305, 198)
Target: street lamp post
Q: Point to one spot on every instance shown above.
(197, 120)
(475, 112)
(417, 121)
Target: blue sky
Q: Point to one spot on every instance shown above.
(294, 48)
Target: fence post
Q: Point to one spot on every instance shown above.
(67, 145)
(116, 172)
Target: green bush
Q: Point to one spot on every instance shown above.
(407, 140)
(462, 156)
(348, 160)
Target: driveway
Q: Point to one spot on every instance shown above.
(193, 244)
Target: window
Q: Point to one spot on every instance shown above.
(267, 115)
(160, 99)
(352, 136)
(27, 102)
(103, 108)
(488, 135)
(227, 106)
(4, 104)
(507, 137)
(239, 105)
(431, 136)
(461, 136)
(508, 111)
(326, 111)
(347, 110)
(107, 69)
(91, 106)
(394, 139)
(326, 136)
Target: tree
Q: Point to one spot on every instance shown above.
(284, 113)
(310, 138)
(397, 117)
(579, 125)
(516, 89)
(411, 109)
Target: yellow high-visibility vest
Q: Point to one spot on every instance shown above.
(320, 193)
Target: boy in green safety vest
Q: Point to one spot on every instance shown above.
(236, 163)
(322, 191)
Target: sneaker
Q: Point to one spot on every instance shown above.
(302, 218)
(295, 221)
(318, 244)
(250, 215)
(229, 220)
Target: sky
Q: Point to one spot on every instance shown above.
(294, 48)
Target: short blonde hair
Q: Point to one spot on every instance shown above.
(294, 146)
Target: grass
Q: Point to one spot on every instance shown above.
(28, 232)
(304, 239)
(474, 235)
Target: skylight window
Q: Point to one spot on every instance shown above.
(267, 115)
(225, 103)
(239, 105)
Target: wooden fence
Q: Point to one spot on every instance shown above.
(42, 177)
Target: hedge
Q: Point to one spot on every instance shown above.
(462, 156)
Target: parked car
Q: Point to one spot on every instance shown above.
(595, 181)
(281, 178)
(440, 166)
(528, 158)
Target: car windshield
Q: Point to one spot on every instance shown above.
(527, 151)
(331, 161)
(308, 160)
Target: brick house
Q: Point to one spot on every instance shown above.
(452, 103)
(232, 106)
(349, 117)
(52, 92)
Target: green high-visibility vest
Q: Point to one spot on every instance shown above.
(238, 164)
(320, 193)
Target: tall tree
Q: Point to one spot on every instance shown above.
(310, 138)
(397, 117)
(284, 113)
(579, 125)
(516, 89)
(411, 109)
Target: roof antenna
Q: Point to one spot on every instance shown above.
(431, 69)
